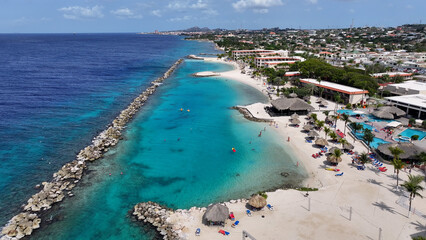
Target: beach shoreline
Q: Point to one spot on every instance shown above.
(358, 205)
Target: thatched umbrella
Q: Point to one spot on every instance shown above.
(307, 98)
(393, 110)
(291, 104)
(257, 201)
(348, 146)
(313, 134)
(320, 100)
(383, 115)
(331, 158)
(331, 150)
(293, 95)
(410, 150)
(308, 127)
(324, 103)
(294, 115)
(216, 213)
(295, 121)
(321, 142)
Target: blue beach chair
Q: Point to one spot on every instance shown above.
(339, 174)
(235, 224)
(270, 207)
(197, 232)
(248, 213)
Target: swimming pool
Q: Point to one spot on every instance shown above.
(376, 141)
(411, 132)
(346, 111)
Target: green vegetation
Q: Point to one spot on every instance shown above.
(413, 187)
(263, 194)
(415, 137)
(396, 162)
(307, 189)
(316, 68)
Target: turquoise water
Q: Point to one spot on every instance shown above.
(410, 132)
(346, 111)
(179, 159)
(376, 141)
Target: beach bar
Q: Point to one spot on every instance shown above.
(288, 106)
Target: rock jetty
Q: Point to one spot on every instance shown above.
(159, 217)
(70, 174)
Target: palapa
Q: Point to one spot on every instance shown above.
(295, 121)
(319, 100)
(321, 142)
(348, 146)
(308, 127)
(333, 159)
(294, 115)
(293, 95)
(324, 103)
(383, 115)
(331, 150)
(410, 150)
(216, 213)
(393, 110)
(313, 134)
(292, 104)
(257, 201)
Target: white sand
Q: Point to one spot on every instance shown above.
(372, 196)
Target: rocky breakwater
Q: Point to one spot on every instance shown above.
(69, 175)
(160, 218)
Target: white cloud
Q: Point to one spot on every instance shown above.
(156, 12)
(210, 12)
(178, 19)
(256, 5)
(125, 13)
(262, 10)
(77, 12)
(178, 5)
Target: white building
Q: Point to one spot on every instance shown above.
(348, 94)
(242, 53)
(272, 61)
(407, 88)
(392, 75)
(414, 105)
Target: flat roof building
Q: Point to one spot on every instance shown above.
(406, 88)
(414, 105)
(242, 53)
(348, 94)
(275, 60)
(392, 75)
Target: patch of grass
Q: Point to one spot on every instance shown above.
(263, 194)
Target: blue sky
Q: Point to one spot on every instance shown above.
(47, 16)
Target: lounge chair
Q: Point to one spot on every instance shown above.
(197, 232)
(248, 213)
(221, 231)
(383, 169)
(235, 224)
(231, 216)
(270, 207)
(339, 174)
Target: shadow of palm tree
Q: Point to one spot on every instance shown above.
(421, 228)
(374, 181)
(384, 207)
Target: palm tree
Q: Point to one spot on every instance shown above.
(356, 126)
(326, 113)
(363, 158)
(345, 118)
(368, 138)
(343, 141)
(326, 131)
(337, 99)
(413, 187)
(334, 118)
(333, 135)
(314, 117)
(396, 162)
(319, 124)
(337, 154)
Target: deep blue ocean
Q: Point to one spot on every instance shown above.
(58, 91)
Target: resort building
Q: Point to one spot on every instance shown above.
(348, 94)
(292, 74)
(272, 61)
(404, 75)
(242, 53)
(414, 105)
(406, 88)
(287, 106)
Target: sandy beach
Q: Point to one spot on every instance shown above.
(358, 205)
